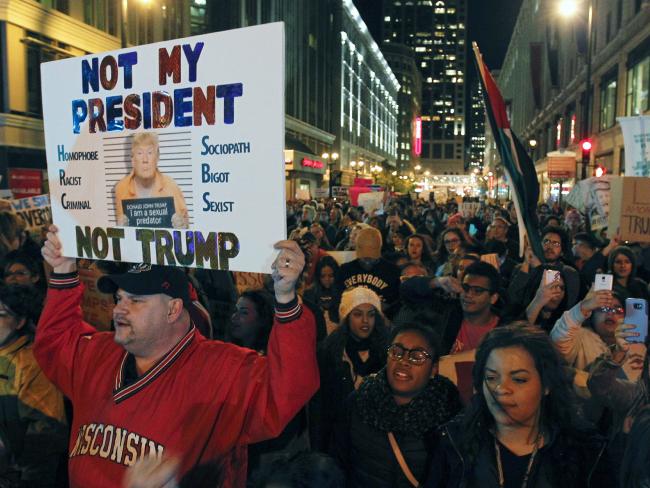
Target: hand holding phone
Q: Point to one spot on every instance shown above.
(603, 282)
(636, 314)
(551, 276)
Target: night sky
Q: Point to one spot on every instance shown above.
(490, 24)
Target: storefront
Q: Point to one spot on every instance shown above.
(303, 174)
(556, 174)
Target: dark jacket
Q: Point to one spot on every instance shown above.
(361, 443)
(337, 380)
(573, 459)
(382, 278)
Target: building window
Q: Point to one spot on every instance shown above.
(101, 14)
(637, 87)
(60, 5)
(608, 102)
(41, 50)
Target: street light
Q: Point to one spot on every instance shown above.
(330, 164)
(125, 18)
(568, 9)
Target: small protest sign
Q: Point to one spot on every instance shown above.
(35, 212)
(154, 151)
(630, 208)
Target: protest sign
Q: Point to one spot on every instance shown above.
(340, 191)
(630, 208)
(155, 151)
(321, 192)
(636, 136)
(25, 182)
(35, 212)
(592, 197)
(343, 257)
(371, 202)
(470, 209)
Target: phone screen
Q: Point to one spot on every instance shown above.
(472, 230)
(636, 313)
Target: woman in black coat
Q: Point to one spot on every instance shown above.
(407, 401)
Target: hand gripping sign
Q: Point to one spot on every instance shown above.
(171, 153)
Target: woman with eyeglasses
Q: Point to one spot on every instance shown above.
(447, 254)
(354, 350)
(520, 429)
(386, 436)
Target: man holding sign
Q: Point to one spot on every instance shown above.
(146, 182)
(156, 388)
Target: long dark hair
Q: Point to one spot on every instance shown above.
(629, 254)
(442, 255)
(557, 406)
(635, 467)
(427, 258)
(263, 303)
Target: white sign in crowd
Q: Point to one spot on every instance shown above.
(171, 153)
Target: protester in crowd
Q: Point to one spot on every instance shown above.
(372, 271)
(573, 222)
(622, 264)
(499, 233)
(332, 228)
(579, 344)
(507, 264)
(349, 241)
(146, 181)
(324, 291)
(385, 437)
(547, 300)
(308, 214)
(635, 467)
(321, 238)
(314, 254)
(398, 244)
(157, 353)
(467, 319)
(252, 320)
(32, 417)
(554, 242)
(356, 349)
(591, 257)
(431, 225)
(551, 220)
(520, 428)
(21, 268)
(446, 256)
(12, 232)
(395, 223)
(418, 251)
(609, 385)
(463, 263)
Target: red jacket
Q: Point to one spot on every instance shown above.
(203, 402)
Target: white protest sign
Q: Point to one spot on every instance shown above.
(208, 113)
(636, 136)
(371, 202)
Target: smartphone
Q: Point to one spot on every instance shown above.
(551, 276)
(603, 282)
(636, 313)
(472, 230)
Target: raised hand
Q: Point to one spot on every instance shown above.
(287, 269)
(52, 253)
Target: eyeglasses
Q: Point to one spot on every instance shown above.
(474, 290)
(415, 356)
(17, 273)
(614, 310)
(548, 242)
(451, 241)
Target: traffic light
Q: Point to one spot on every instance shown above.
(586, 146)
(599, 171)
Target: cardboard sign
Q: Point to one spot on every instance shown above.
(561, 167)
(35, 212)
(592, 197)
(630, 208)
(636, 135)
(189, 119)
(321, 192)
(149, 212)
(340, 192)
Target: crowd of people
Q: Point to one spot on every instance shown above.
(409, 347)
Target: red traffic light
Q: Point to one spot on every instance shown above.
(586, 145)
(599, 171)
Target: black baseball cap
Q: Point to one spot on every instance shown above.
(147, 279)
